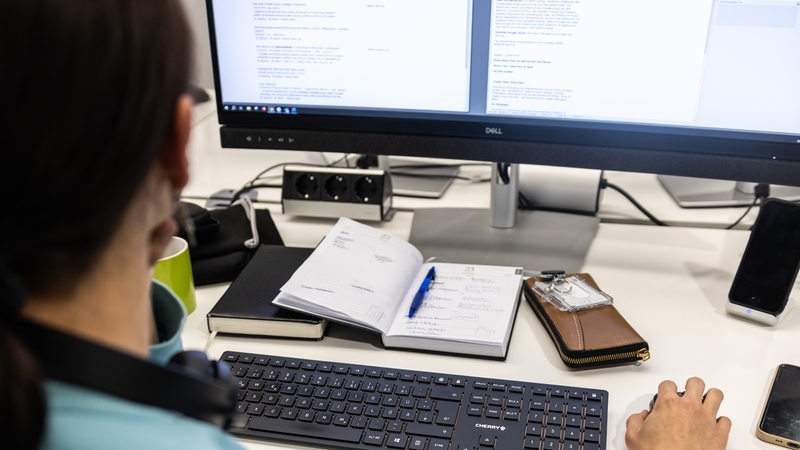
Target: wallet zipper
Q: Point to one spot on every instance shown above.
(642, 355)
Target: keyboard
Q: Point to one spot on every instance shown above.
(337, 405)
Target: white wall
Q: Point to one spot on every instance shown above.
(203, 75)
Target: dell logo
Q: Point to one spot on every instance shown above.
(490, 427)
(494, 130)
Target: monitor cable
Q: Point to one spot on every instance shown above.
(605, 184)
(761, 192)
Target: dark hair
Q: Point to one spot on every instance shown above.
(88, 94)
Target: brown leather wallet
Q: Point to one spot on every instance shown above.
(588, 338)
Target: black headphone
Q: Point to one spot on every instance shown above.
(189, 384)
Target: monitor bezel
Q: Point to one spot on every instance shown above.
(646, 149)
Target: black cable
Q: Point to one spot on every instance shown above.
(761, 192)
(367, 161)
(236, 195)
(345, 158)
(729, 227)
(605, 184)
(261, 174)
(504, 172)
(523, 203)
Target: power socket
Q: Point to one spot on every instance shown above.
(364, 194)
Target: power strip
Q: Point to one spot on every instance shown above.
(364, 194)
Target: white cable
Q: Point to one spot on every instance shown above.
(250, 212)
(208, 341)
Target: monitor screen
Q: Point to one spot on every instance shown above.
(685, 87)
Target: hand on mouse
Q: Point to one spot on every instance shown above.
(684, 422)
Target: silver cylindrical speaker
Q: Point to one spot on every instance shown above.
(561, 188)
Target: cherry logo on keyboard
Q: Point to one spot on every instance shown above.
(490, 426)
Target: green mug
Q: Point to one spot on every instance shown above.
(174, 269)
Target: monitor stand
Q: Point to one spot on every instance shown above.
(706, 193)
(415, 179)
(535, 240)
(410, 179)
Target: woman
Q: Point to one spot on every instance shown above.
(95, 125)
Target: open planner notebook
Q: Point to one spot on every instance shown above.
(362, 276)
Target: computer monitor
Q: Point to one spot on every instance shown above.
(690, 88)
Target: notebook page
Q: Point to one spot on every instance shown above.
(359, 272)
(466, 303)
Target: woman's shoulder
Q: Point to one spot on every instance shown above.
(80, 418)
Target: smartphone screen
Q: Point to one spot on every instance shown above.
(771, 259)
(780, 421)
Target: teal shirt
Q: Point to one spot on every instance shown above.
(83, 419)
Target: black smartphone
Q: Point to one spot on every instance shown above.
(780, 420)
(767, 271)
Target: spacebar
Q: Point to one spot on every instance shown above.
(312, 430)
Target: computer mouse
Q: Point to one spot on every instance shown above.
(655, 397)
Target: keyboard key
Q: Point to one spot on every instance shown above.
(550, 444)
(531, 442)
(593, 423)
(571, 433)
(396, 441)
(593, 410)
(304, 429)
(443, 393)
(377, 424)
(493, 412)
(436, 431)
(536, 417)
(446, 413)
(487, 440)
(591, 436)
(416, 444)
(533, 429)
(394, 426)
(372, 438)
(438, 444)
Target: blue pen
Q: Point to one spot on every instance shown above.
(423, 289)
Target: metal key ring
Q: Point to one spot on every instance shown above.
(560, 284)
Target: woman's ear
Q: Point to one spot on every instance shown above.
(175, 156)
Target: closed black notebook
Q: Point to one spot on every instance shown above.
(246, 307)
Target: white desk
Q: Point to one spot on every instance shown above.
(670, 283)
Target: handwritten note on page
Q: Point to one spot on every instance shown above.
(466, 303)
